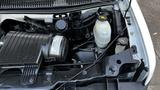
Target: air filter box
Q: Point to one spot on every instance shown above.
(23, 51)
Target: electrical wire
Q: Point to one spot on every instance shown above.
(158, 56)
(88, 41)
(94, 63)
(128, 8)
(65, 65)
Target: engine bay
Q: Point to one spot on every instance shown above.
(52, 49)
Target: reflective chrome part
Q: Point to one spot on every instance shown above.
(1, 44)
(58, 48)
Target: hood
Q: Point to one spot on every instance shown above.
(35, 4)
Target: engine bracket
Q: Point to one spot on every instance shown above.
(114, 64)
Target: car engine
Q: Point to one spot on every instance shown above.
(40, 49)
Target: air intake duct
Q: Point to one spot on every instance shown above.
(25, 51)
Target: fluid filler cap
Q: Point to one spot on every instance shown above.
(61, 25)
(102, 18)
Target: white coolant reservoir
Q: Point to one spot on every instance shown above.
(102, 31)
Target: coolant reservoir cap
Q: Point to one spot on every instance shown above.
(61, 25)
(102, 18)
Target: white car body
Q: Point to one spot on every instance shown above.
(144, 45)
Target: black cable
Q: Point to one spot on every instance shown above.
(88, 41)
(85, 26)
(158, 56)
(65, 65)
(94, 63)
(128, 8)
(90, 19)
(90, 79)
(75, 48)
